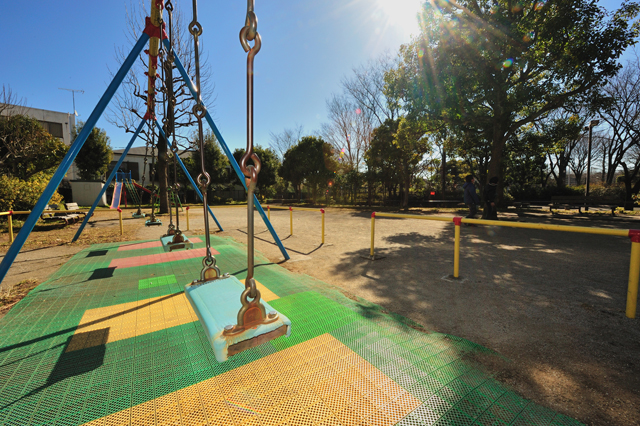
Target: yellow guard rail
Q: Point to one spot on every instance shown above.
(633, 234)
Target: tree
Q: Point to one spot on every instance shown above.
(270, 164)
(382, 158)
(216, 163)
(281, 142)
(26, 148)
(175, 103)
(311, 162)
(621, 112)
(95, 156)
(492, 67)
(561, 135)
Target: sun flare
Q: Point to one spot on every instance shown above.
(401, 13)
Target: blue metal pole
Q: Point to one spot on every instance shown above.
(37, 210)
(227, 152)
(186, 172)
(114, 172)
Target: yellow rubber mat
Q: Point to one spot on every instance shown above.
(112, 323)
(317, 382)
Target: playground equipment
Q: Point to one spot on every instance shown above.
(174, 238)
(117, 193)
(214, 297)
(153, 220)
(633, 234)
(153, 30)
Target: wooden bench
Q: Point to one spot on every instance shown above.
(580, 201)
(51, 212)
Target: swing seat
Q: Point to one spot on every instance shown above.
(216, 303)
(168, 244)
(150, 223)
(137, 216)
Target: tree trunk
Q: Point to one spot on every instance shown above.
(495, 164)
(407, 185)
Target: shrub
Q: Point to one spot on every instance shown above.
(17, 194)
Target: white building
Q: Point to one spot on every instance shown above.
(58, 124)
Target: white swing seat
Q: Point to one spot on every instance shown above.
(216, 303)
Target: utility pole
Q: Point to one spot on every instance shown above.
(73, 95)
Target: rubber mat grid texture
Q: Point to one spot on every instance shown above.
(109, 340)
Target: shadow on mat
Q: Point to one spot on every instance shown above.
(73, 363)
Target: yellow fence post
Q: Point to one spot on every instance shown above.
(290, 220)
(322, 211)
(373, 232)
(634, 273)
(457, 221)
(187, 214)
(269, 213)
(10, 226)
(120, 218)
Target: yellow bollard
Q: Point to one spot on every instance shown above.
(322, 211)
(634, 273)
(457, 221)
(10, 226)
(120, 217)
(269, 213)
(187, 214)
(290, 221)
(373, 232)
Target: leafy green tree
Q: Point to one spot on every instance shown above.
(26, 148)
(494, 66)
(382, 157)
(311, 162)
(270, 164)
(95, 156)
(216, 163)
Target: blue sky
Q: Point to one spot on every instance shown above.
(308, 47)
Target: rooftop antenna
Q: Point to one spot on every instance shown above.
(73, 94)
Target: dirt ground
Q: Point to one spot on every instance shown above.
(551, 302)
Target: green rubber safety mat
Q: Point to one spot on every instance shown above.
(101, 345)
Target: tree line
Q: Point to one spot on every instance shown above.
(490, 88)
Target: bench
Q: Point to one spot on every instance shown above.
(51, 212)
(580, 201)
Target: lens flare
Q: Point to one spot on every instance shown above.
(358, 110)
(420, 53)
(507, 63)
(539, 5)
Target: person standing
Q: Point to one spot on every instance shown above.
(471, 198)
(490, 191)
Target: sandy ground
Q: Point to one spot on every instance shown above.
(551, 302)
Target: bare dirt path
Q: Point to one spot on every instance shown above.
(551, 302)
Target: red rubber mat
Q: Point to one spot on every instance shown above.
(152, 259)
(151, 244)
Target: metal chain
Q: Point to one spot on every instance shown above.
(250, 33)
(203, 179)
(152, 170)
(164, 90)
(172, 104)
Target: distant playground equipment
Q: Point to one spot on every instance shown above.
(174, 239)
(153, 220)
(154, 34)
(633, 234)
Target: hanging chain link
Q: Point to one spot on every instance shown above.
(250, 33)
(204, 179)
